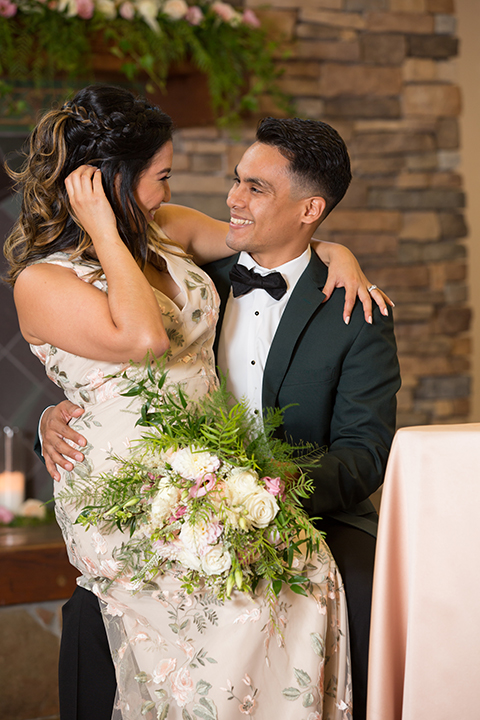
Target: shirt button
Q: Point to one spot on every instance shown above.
(252, 362)
(256, 312)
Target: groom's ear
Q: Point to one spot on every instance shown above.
(313, 210)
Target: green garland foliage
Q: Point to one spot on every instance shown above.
(41, 46)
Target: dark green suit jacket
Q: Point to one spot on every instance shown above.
(343, 380)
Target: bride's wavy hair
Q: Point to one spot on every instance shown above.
(104, 126)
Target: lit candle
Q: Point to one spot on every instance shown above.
(12, 482)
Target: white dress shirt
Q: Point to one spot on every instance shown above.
(248, 328)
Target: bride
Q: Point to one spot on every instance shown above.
(98, 284)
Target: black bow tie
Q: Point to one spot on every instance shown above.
(246, 279)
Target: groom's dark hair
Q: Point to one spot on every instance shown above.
(318, 156)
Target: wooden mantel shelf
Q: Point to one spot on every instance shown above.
(34, 566)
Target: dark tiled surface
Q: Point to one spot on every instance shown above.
(24, 387)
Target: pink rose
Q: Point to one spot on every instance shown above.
(85, 9)
(6, 515)
(249, 18)
(194, 15)
(224, 11)
(182, 687)
(7, 9)
(127, 11)
(275, 486)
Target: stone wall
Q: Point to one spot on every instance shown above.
(381, 72)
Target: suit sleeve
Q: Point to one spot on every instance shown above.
(362, 422)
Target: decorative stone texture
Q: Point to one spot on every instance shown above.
(400, 22)
(363, 107)
(337, 79)
(408, 6)
(385, 49)
(432, 46)
(429, 99)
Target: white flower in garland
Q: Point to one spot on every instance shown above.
(193, 462)
(261, 508)
(164, 502)
(216, 561)
(175, 9)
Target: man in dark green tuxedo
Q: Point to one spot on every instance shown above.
(340, 380)
(283, 346)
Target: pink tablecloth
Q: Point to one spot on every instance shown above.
(425, 639)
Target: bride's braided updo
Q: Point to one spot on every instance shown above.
(104, 126)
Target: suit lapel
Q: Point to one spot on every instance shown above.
(306, 297)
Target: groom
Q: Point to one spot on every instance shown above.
(283, 347)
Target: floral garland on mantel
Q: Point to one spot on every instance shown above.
(44, 40)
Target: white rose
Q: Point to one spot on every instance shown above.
(261, 508)
(216, 561)
(192, 463)
(164, 502)
(241, 482)
(175, 9)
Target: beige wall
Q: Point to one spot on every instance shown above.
(468, 15)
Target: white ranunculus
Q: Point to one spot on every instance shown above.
(216, 561)
(261, 508)
(164, 502)
(192, 463)
(175, 9)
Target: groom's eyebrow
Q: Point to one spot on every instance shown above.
(256, 181)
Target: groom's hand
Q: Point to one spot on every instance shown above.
(55, 431)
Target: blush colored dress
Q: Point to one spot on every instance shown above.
(180, 656)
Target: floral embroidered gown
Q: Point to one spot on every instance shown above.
(180, 656)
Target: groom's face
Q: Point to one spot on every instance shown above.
(265, 208)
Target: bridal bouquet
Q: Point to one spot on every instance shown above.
(208, 491)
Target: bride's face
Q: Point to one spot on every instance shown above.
(153, 189)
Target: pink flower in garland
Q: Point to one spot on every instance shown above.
(85, 9)
(6, 515)
(127, 11)
(249, 18)
(275, 486)
(7, 9)
(224, 11)
(194, 15)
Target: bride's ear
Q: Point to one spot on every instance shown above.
(313, 210)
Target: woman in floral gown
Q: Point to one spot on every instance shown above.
(97, 285)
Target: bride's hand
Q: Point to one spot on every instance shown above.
(89, 202)
(345, 271)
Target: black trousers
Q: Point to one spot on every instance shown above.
(354, 553)
(87, 684)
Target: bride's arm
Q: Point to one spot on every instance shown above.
(204, 238)
(56, 307)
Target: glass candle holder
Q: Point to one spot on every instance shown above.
(12, 477)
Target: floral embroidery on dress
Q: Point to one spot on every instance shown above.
(173, 652)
